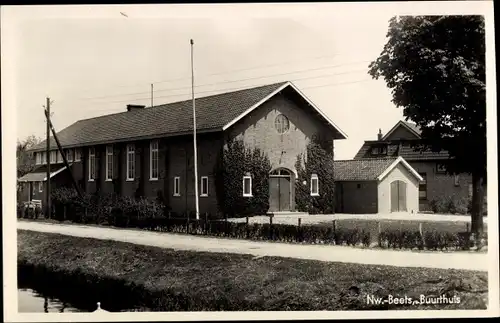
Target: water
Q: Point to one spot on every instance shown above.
(30, 301)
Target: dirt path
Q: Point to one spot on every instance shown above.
(445, 260)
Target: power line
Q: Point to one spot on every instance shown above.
(229, 89)
(239, 80)
(237, 70)
(243, 88)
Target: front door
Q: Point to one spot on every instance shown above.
(398, 196)
(279, 193)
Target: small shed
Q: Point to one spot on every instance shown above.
(376, 185)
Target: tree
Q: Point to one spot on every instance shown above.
(25, 159)
(318, 160)
(435, 68)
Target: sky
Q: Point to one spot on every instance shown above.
(94, 60)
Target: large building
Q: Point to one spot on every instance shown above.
(431, 166)
(148, 151)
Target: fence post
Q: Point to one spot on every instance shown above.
(420, 229)
(225, 224)
(187, 223)
(86, 217)
(379, 227)
(467, 226)
(298, 231)
(64, 212)
(205, 225)
(246, 228)
(271, 227)
(334, 228)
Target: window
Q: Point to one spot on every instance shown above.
(59, 157)
(422, 187)
(38, 158)
(130, 162)
(40, 187)
(44, 158)
(78, 154)
(314, 185)
(440, 168)
(53, 156)
(177, 186)
(204, 186)
(470, 190)
(281, 124)
(91, 164)
(109, 162)
(379, 150)
(358, 186)
(69, 155)
(247, 186)
(153, 160)
(457, 180)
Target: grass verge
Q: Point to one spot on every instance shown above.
(158, 279)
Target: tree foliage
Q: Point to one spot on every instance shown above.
(317, 160)
(25, 160)
(435, 67)
(234, 162)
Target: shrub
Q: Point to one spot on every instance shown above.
(318, 160)
(451, 205)
(233, 163)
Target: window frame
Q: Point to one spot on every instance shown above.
(440, 171)
(91, 160)
(109, 167)
(53, 153)
(281, 117)
(38, 158)
(152, 152)
(422, 184)
(314, 177)
(70, 155)
(202, 194)
(177, 186)
(130, 162)
(43, 157)
(59, 158)
(79, 154)
(40, 187)
(250, 193)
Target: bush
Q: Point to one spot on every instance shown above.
(431, 240)
(451, 205)
(233, 163)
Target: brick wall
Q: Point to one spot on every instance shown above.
(440, 185)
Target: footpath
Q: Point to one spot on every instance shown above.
(466, 260)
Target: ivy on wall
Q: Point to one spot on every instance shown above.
(234, 162)
(317, 160)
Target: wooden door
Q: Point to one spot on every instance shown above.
(398, 196)
(274, 194)
(284, 188)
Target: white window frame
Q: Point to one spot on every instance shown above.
(53, 156)
(44, 158)
(154, 155)
(130, 161)
(78, 154)
(109, 158)
(91, 160)
(177, 186)
(59, 157)
(38, 158)
(40, 187)
(314, 178)
(70, 155)
(247, 194)
(203, 178)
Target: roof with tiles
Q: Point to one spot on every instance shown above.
(212, 113)
(361, 170)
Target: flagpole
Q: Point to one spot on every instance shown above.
(194, 136)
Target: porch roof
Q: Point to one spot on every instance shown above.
(39, 174)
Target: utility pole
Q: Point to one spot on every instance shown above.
(47, 153)
(151, 94)
(194, 140)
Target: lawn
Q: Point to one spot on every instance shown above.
(169, 280)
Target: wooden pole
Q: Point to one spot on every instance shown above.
(47, 152)
(194, 138)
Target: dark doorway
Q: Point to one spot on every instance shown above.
(280, 193)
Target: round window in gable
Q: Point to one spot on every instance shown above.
(281, 124)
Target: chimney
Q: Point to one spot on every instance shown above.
(379, 135)
(131, 107)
